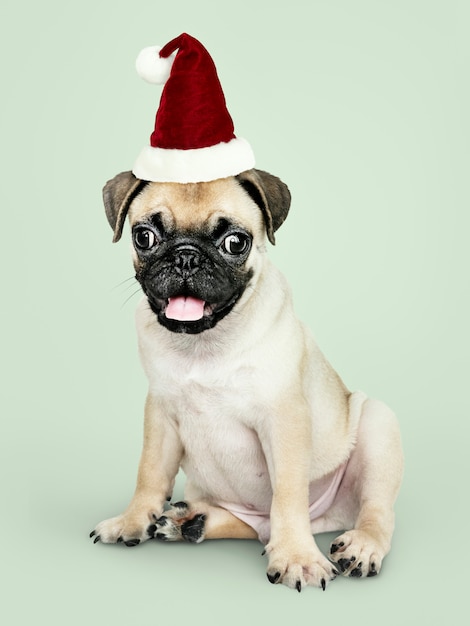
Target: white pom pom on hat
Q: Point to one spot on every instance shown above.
(152, 67)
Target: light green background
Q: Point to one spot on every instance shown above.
(362, 107)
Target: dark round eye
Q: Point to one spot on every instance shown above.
(236, 243)
(144, 239)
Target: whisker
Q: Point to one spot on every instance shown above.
(130, 297)
(123, 283)
(130, 286)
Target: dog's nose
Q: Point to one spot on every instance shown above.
(187, 261)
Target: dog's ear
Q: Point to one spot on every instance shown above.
(118, 194)
(270, 194)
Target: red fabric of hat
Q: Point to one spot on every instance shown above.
(192, 112)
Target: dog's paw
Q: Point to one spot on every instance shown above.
(180, 523)
(298, 568)
(128, 528)
(357, 554)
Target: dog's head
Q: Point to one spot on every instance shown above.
(197, 246)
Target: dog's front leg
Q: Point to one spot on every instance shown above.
(159, 463)
(294, 558)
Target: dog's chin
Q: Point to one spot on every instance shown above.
(210, 317)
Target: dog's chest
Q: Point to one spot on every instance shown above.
(214, 401)
(214, 409)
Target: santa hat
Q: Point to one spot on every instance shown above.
(193, 140)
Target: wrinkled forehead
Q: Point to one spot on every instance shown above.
(197, 205)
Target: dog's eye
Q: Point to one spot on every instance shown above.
(144, 239)
(236, 243)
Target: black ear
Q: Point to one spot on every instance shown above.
(118, 194)
(270, 194)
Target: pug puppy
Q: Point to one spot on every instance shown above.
(273, 445)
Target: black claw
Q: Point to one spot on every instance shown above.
(273, 578)
(343, 564)
(161, 537)
(119, 540)
(263, 553)
(93, 533)
(179, 505)
(132, 542)
(356, 572)
(151, 530)
(298, 586)
(372, 571)
(97, 538)
(162, 521)
(168, 499)
(336, 546)
(323, 584)
(335, 572)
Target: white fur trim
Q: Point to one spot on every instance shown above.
(152, 67)
(194, 166)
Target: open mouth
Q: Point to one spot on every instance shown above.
(187, 309)
(187, 314)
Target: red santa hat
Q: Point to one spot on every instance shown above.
(193, 140)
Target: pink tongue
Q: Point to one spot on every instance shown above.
(185, 309)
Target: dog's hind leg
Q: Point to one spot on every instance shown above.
(197, 521)
(367, 495)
